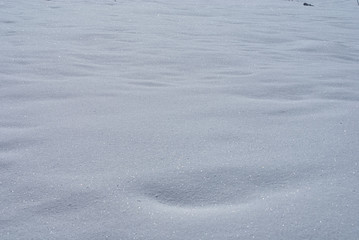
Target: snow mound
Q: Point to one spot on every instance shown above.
(215, 187)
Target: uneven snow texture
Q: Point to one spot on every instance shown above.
(179, 119)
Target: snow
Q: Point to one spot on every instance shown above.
(179, 119)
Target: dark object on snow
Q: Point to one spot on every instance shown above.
(308, 4)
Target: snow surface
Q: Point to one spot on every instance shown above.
(179, 119)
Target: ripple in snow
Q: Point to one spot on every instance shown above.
(215, 186)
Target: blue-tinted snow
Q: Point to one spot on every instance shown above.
(179, 119)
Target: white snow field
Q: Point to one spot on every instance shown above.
(184, 120)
